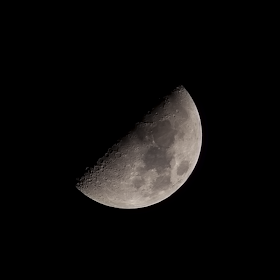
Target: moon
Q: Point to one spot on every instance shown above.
(152, 161)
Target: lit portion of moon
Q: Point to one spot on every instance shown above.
(153, 161)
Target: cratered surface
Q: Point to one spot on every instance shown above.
(152, 161)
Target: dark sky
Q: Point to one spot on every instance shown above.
(102, 107)
(85, 81)
(95, 95)
(99, 98)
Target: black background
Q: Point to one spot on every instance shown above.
(99, 90)
(87, 80)
(95, 89)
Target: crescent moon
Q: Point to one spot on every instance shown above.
(152, 161)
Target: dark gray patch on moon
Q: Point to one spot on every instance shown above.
(138, 182)
(156, 158)
(183, 167)
(163, 134)
(162, 182)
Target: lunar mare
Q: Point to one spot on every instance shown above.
(153, 161)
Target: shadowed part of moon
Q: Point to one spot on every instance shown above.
(143, 134)
(163, 134)
(183, 167)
